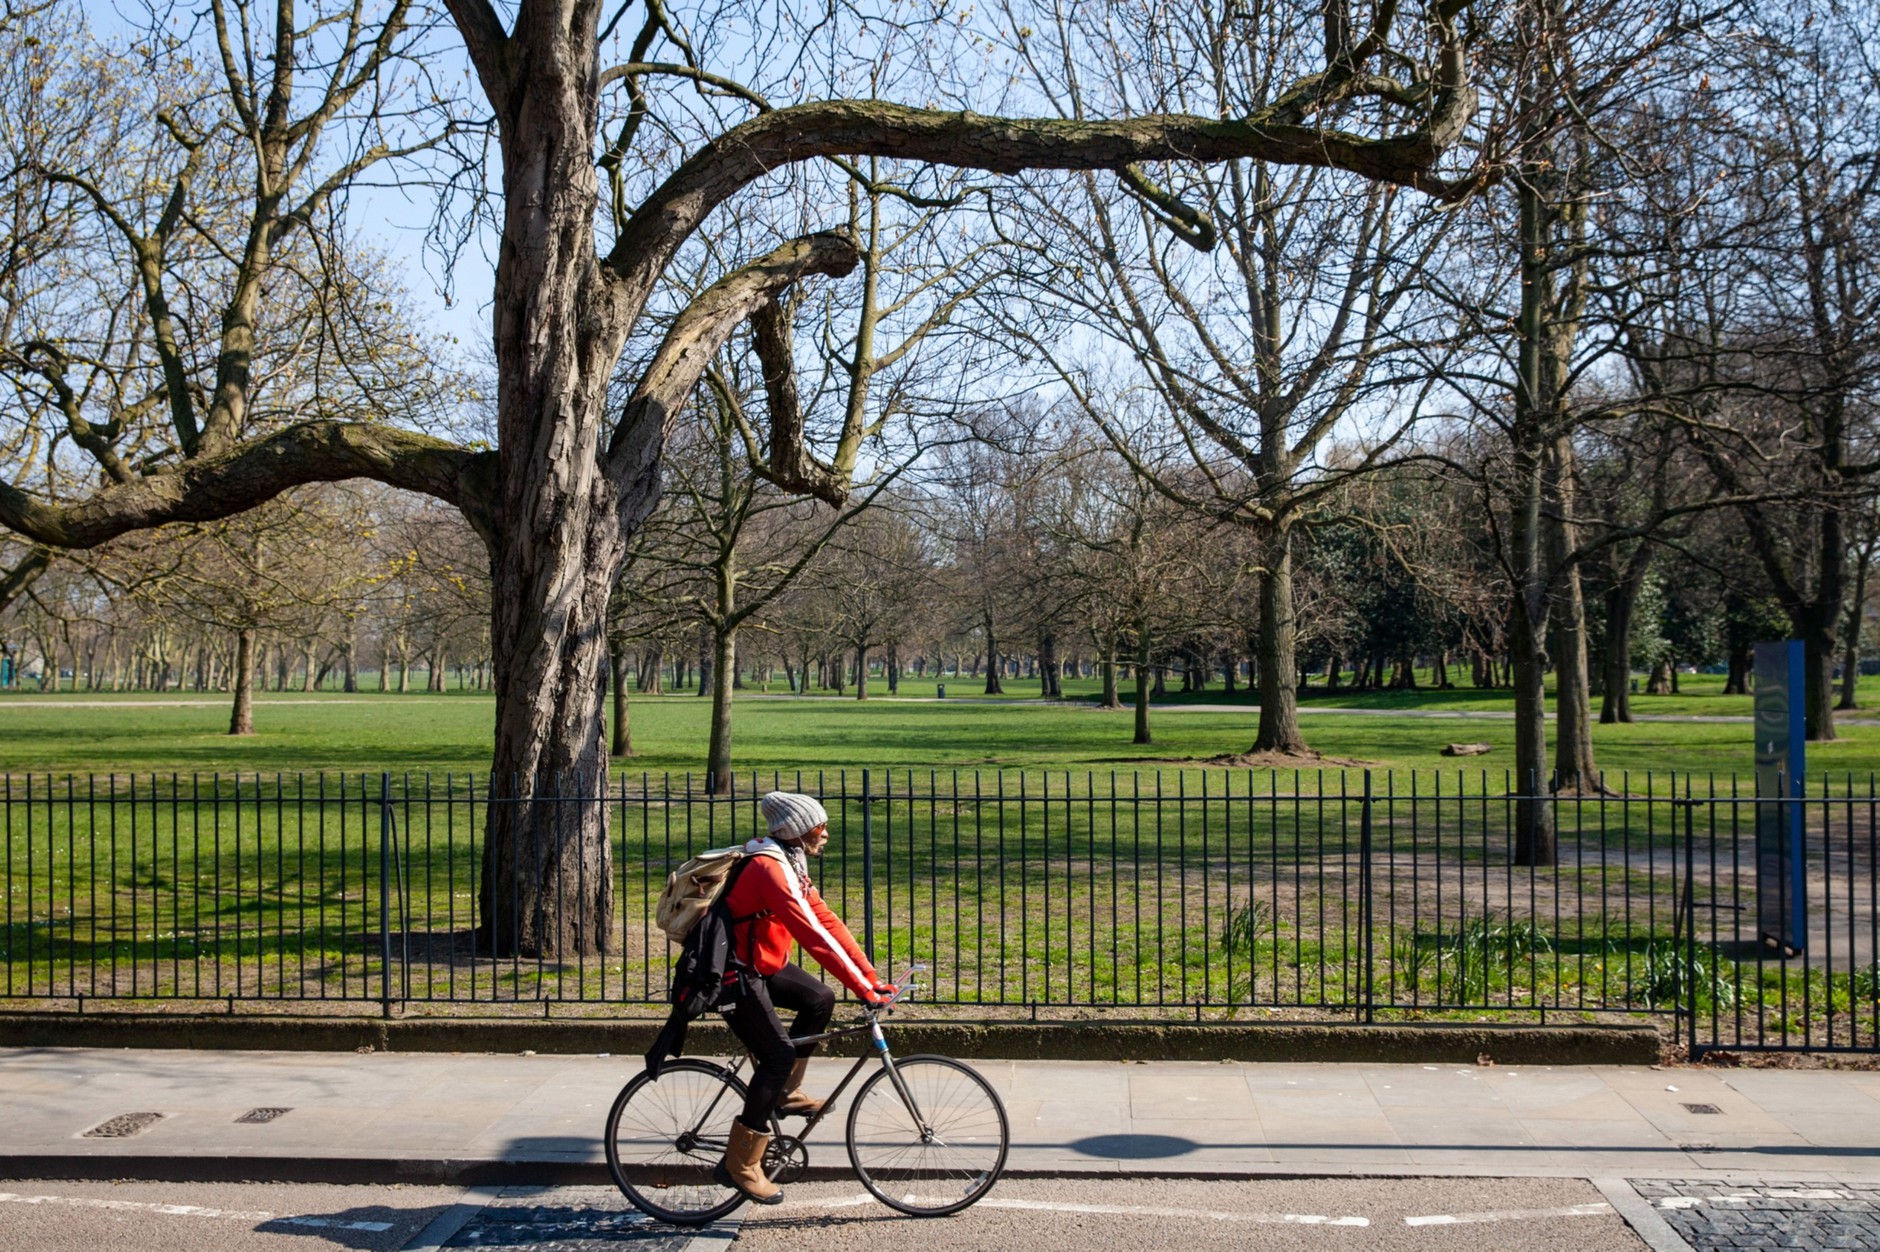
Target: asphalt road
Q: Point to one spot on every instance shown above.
(1319, 1215)
(1322, 1215)
(213, 1217)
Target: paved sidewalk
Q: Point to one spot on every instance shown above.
(508, 1118)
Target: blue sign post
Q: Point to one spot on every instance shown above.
(1781, 772)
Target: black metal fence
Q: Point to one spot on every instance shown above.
(1213, 894)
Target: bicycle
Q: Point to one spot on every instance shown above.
(927, 1135)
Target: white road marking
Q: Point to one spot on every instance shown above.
(1509, 1215)
(1114, 1210)
(193, 1210)
(1792, 1193)
(1136, 1210)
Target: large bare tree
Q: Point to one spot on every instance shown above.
(579, 277)
(1258, 307)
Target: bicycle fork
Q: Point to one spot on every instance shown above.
(900, 1086)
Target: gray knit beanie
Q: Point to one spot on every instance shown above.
(791, 816)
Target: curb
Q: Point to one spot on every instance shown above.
(486, 1173)
(470, 1172)
(1424, 1043)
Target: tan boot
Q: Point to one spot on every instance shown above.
(743, 1166)
(794, 1102)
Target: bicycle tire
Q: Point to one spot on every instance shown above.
(928, 1175)
(665, 1135)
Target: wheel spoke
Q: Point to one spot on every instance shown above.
(664, 1137)
(950, 1164)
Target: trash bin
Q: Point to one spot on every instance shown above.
(940, 691)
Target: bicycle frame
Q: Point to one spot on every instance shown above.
(870, 1025)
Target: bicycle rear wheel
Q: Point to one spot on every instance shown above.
(664, 1137)
(936, 1151)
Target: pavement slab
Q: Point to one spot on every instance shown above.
(538, 1119)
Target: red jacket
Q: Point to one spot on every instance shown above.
(767, 884)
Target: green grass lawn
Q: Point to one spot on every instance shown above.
(1041, 900)
(84, 732)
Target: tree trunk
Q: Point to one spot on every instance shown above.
(1142, 683)
(993, 686)
(1615, 703)
(1533, 816)
(894, 669)
(861, 671)
(1279, 667)
(1574, 768)
(1049, 667)
(241, 719)
(1111, 698)
(718, 748)
(1850, 654)
(1533, 409)
(558, 520)
(623, 725)
(1742, 661)
(1659, 684)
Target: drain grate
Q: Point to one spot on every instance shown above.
(123, 1126)
(1702, 1108)
(262, 1115)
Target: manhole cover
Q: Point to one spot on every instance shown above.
(1703, 1108)
(123, 1126)
(262, 1115)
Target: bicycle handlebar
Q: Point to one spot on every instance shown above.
(902, 990)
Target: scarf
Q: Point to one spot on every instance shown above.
(797, 859)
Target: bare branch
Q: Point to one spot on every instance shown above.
(701, 329)
(222, 485)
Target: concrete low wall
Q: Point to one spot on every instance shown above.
(1426, 1043)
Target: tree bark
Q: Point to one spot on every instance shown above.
(1143, 684)
(1850, 657)
(718, 749)
(623, 722)
(1615, 702)
(242, 717)
(993, 686)
(1574, 768)
(1111, 698)
(1742, 661)
(1279, 634)
(861, 671)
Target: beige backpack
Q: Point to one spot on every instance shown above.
(692, 888)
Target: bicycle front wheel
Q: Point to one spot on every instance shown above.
(931, 1144)
(665, 1135)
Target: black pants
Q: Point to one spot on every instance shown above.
(755, 1022)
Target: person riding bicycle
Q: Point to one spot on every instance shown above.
(772, 902)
